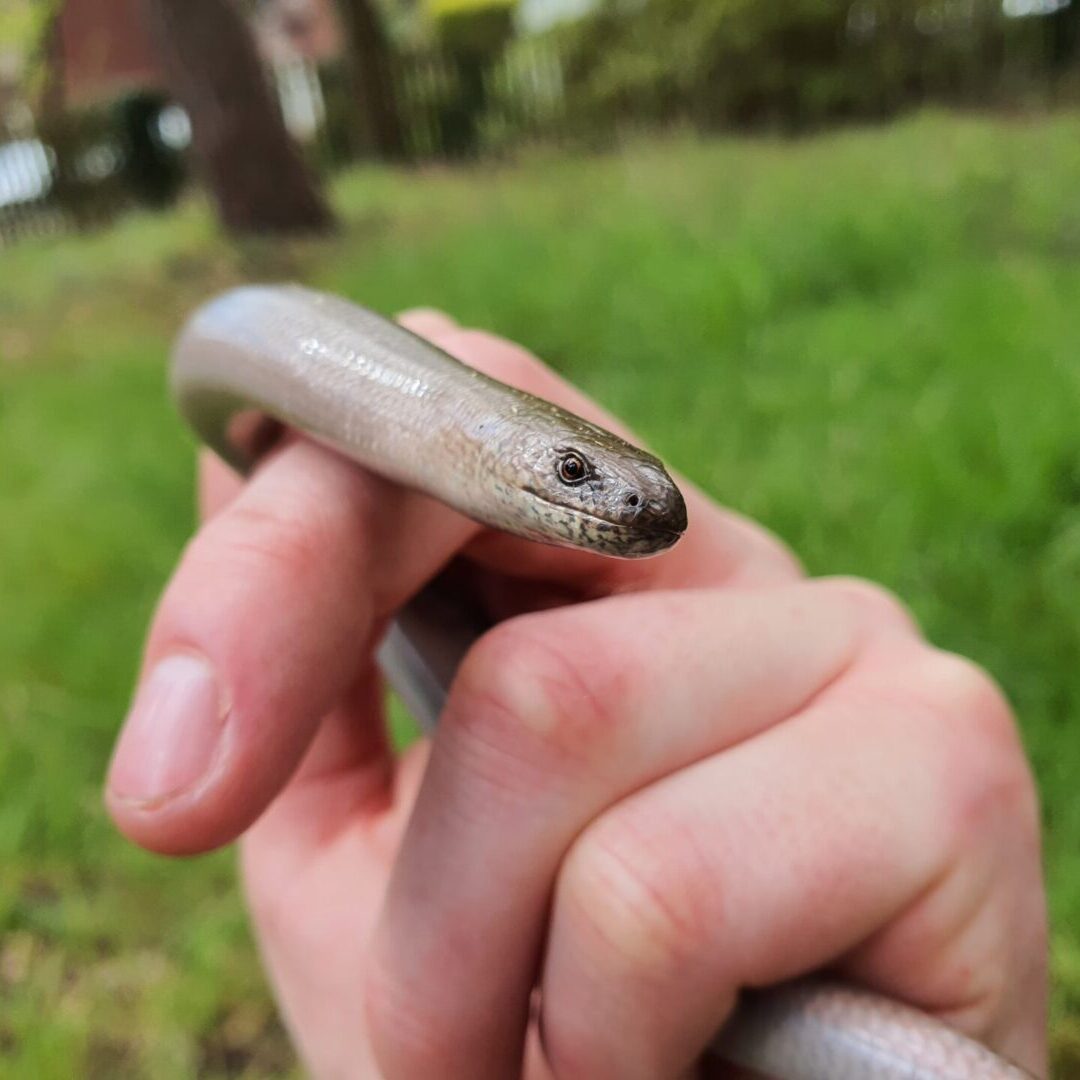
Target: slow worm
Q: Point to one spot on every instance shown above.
(397, 405)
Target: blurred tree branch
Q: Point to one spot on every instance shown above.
(242, 149)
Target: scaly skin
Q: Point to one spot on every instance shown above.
(395, 403)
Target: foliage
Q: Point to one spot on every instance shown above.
(472, 28)
(439, 8)
(470, 34)
(865, 340)
(797, 64)
(23, 25)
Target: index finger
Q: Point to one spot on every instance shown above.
(278, 601)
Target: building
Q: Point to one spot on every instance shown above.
(101, 50)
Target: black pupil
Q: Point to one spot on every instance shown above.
(573, 468)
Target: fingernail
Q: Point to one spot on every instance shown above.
(171, 733)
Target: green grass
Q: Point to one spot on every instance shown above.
(868, 341)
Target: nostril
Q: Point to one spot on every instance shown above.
(632, 500)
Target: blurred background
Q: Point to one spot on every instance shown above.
(824, 255)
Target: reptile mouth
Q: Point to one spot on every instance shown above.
(636, 529)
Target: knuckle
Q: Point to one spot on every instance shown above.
(880, 608)
(642, 894)
(520, 687)
(1001, 801)
(427, 322)
(968, 695)
(765, 560)
(772, 562)
(494, 355)
(990, 781)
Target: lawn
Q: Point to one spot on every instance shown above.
(867, 340)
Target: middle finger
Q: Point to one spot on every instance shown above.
(554, 717)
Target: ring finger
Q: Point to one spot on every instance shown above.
(751, 868)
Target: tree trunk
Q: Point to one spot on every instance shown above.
(246, 157)
(374, 85)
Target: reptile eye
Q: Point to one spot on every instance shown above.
(572, 468)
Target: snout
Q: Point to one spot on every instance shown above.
(663, 512)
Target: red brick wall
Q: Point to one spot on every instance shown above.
(100, 49)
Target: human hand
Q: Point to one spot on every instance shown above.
(654, 783)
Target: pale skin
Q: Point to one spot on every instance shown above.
(655, 782)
